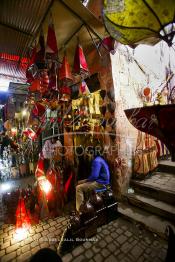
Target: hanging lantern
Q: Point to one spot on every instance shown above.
(35, 86)
(65, 92)
(44, 184)
(80, 64)
(83, 89)
(22, 220)
(51, 44)
(135, 22)
(147, 93)
(65, 75)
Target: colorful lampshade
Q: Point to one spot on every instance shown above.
(22, 216)
(135, 22)
(80, 64)
(65, 73)
(51, 44)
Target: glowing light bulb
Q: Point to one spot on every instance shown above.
(24, 112)
(45, 184)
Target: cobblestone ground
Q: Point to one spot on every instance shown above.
(120, 240)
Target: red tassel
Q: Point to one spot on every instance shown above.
(80, 64)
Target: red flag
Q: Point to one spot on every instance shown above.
(51, 44)
(80, 64)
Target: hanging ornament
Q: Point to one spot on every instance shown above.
(147, 94)
(51, 43)
(65, 92)
(83, 89)
(65, 75)
(35, 86)
(29, 133)
(80, 64)
(109, 43)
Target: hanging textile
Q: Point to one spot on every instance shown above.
(145, 160)
(162, 151)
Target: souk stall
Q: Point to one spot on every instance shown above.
(64, 105)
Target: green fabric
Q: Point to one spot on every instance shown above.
(132, 21)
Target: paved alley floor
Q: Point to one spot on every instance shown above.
(120, 240)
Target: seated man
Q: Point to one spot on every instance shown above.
(99, 177)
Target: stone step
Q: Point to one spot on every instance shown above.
(152, 205)
(160, 193)
(167, 166)
(150, 221)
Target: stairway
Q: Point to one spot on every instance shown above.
(153, 201)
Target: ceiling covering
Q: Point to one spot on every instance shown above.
(21, 22)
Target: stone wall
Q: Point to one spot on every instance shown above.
(133, 70)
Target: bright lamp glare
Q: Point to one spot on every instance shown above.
(21, 234)
(5, 187)
(45, 185)
(24, 112)
(4, 85)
